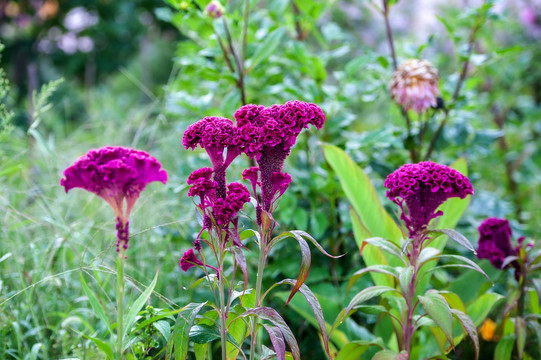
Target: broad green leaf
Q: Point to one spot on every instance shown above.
(359, 298)
(390, 355)
(454, 301)
(372, 255)
(504, 349)
(96, 305)
(200, 351)
(138, 305)
(362, 195)
(437, 308)
(267, 47)
(470, 329)
(164, 328)
(355, 349)
(238, 330)
(181, 331)
(537, 328)
(479, 309)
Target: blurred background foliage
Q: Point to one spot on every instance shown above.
(138, 72)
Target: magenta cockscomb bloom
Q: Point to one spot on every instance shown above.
(215, 135)
(117, 175)
(267, 134)
(225, 210)
(495, 241)
(189, 260)
(415, 85)
(423, 187)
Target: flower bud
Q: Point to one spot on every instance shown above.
(215, 10)
(415, 85)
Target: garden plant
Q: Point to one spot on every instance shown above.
(394, 144)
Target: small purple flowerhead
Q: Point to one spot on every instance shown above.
(114, 174)
(189, 260)
(424, 187)
(495, 241)
(214, 134)
(215, 10)
(202, 186)
(225, 210)
(415, 85)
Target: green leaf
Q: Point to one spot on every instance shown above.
(437, 308)
(267, 47)
(385, 245)
(359, 298)
(504, 349)
(355, 349)
(138, 305)
(103, 346)
(372, 255)
(203, 334)
(96, 305)
(468, 264)
(427, 254)
(390, 355)
(469, 327)
(200, 351)
(479, 309)
(181, 331)
(458, 237)
(381, 269)
(406, 274)
(237, 328)
(164, 328)
(362, 195)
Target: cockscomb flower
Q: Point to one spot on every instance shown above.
(189, 260)
(267, 134)
(117, 175)
(215, 135)
(423, 187)
(225, 210)
(414, 85)
(495, 241)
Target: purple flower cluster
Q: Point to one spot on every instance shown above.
(224, 210)
(424, 187)
(275, 127)
(495, 241)
(189, 260)
(115, 174)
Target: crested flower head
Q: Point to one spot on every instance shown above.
(415, 85)
(495, 241)
(225, 210)
(201, 183)
(275, 127)
(424, 187)
(114, 174)
(267, 134)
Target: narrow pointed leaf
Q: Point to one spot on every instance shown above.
(138, 305)
(469, 327)
(504, 349)
(267, 47)
(520, 333)
(385, 245)
(406, 275)
(96, 305)
(458, 237)
(277, 340)
(381, 269)
(355, 349)
(390, 355)
(359, 298)
(316, 309)
(269, 314)
(428, 254)
(437, 308)
(241, 261)
(472, 264)
(103, 346)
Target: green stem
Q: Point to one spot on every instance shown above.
(120, 303)
(260, 267)
(223, 316)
